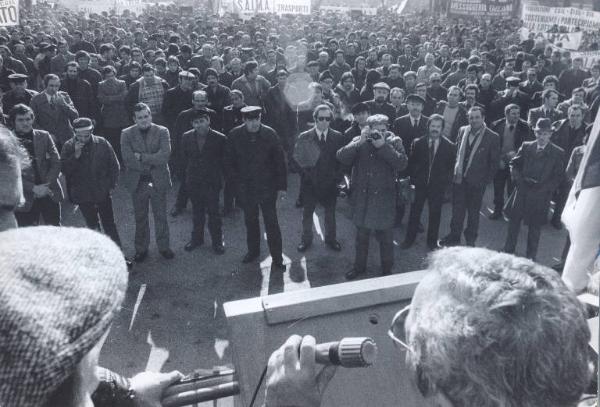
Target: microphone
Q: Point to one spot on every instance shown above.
(348, 352)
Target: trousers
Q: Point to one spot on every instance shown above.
(502, 182)
(269, 214)
(385, 237)
(533, 237)
(205, 201)
(466, 202)
(45, 208)
(97, 213)
(435, 199)
(144, 196)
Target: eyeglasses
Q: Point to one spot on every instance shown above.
(324, 118)
(397, 331)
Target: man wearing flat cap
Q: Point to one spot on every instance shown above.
(92, 170)
(537, 170)
(380, 104)
(511, 95)
(18, 92)
(203, 159)
(257, 163)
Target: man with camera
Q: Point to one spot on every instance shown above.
(430, 166)
(376, 158)
(315, 154)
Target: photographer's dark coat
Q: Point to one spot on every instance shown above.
(374, 173)
(531, 201)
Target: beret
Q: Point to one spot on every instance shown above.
(202, 112)
(61, 288)
(415, 98)
(359, 108)
(82, 123)
(513, 79)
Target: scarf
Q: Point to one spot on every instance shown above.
(458, 167)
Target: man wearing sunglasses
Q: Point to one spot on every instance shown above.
(483, 329)
(320, 173)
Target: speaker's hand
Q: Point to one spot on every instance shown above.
(293, 378)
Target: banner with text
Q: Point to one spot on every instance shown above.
(542, 18)
(481, 8)
(568, 40)
(9, 13)
(249, 8)
(345, 9)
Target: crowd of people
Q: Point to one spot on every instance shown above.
(392, 111)
(408, 109)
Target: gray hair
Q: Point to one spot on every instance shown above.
(503, 331)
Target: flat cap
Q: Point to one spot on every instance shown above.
(251, 110)
(187, 74)
(359, 108)
(513, 80)
(381, 85)
(415, 98)
(435, 76)
(543, 124)
(61, 288)
(202, 112)
(325, 75)
(83, 123)
(17, 77)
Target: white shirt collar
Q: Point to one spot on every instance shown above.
(321, 133)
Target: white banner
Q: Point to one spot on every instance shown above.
(589, 57)
(371, 11)
(9, 13)
(568, 40)
(293, 7)
(248, 8)
(542, 18)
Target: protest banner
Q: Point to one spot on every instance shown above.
(293, 7)
(249, 8)
(589, 57)
(542, 18)
(568, 40)
(371, 11)
(9, 13)
(481, 8)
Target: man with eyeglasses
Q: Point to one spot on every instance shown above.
(479, 301)
(320, 173)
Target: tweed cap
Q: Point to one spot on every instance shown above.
(61, 288)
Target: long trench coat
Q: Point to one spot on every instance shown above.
(536, 176)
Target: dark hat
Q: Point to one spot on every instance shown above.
(47, 47)
(202, 112)
(186, 74)
(359, 108)
(17, 77)
(83, 123)
(56, 306)
(381, 85)
(247, 49)
(154, 37)
(312, 63)
(543, 124)
(510, 60)
(325, 75)
(251, 111)
(513, 81)
(415, 98)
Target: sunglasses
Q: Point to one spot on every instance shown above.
(324, 118)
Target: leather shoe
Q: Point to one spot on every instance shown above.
(176, 211)
(167, 254)
(495, 215)
(334, 245)
(219, 248)
(352, 274)
(192, 244)
(556, 224)
(433, 245)
(278, 265)
(140, 257)
(407, 244)
(448, 242)
(250, 257)
(304, 246)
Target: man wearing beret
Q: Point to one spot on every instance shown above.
(18, 92)
(257, 163)
(537, 170)
(203, 160)
(92, 170)
(41, 189)
(146, 148)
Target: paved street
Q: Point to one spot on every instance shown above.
(173, 317)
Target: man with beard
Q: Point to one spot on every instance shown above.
(218, 95)
(430, 166)
(379, 104)
(18, 92)
(80, 92)
(349, 95)
(257, 163)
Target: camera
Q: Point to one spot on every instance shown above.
(374, 135)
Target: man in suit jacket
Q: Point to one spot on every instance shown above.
(379, 104)
(512, 131)
(478, 154)
(537, 169)
(548, 109)
(257, 163)
(315, 154)
(41, 189)
(54, 111)
(203, 155)
(413, 125)
(146, 148)
(279, 112)
(510, 95)
(430, 166)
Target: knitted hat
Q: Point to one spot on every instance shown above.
(61, 288)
